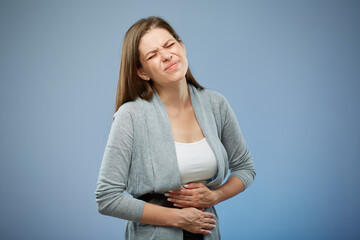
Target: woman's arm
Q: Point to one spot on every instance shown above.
(229, 189)
(190, 219)
(113, 178)
(199, 196)
(114, 170)
(241, 166)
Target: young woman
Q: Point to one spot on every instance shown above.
(171, 143)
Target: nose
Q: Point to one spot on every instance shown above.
(165, 55)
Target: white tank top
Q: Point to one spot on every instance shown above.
(196, 161)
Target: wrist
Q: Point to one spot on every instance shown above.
(176, 216)
(216, 196)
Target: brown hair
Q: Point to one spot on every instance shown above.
(130, 85)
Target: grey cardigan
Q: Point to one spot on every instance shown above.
(140, 157)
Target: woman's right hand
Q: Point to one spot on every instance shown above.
(195, 221)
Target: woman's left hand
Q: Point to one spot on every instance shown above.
(195, 195)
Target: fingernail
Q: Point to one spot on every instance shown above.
(169, 199)
(175, 204)
(166, 194)
(186, 185)
(170, 191)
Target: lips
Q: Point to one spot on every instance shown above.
(172, 65)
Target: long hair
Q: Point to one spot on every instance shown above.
(130, 85)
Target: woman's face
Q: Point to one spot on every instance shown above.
(163, 59)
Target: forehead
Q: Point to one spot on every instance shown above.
(154, 39)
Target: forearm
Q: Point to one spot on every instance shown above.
(230, 188)
(158, 215)
(189, 219)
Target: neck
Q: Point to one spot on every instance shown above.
(175, 96)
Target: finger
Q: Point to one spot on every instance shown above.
(174, 191)
(188, 201)
(209, 221)
(189, 186)
(179, 199)
(207, 215)
(184, 203)
(178, 192)
(208, 226)
(204, 232)
(179, 205)
(193, 185)
(180, 196)
(185, 192)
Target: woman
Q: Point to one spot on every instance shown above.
(170, 145)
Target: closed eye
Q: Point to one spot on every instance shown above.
(151, 56)
(170, 45)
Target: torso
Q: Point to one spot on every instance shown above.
(185, 127)
(196, 161)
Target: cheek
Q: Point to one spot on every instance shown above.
(150, 67)
(186, 64)
(183, 55)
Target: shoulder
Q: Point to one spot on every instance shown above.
(214, 95)
(127, 111)
(216, 99)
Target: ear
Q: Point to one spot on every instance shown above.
(142, 74)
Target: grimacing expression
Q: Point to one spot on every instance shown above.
(163, 58)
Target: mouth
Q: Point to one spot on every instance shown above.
(172, 65)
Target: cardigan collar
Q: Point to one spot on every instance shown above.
(162, 145)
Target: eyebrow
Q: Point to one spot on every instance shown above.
(155, 50)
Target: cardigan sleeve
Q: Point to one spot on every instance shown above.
(241, 164)
(114, 171)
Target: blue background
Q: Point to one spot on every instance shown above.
(290, 70)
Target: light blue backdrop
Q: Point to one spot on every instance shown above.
(290, 70)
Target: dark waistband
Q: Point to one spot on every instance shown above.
(157, 199)
(161, 200)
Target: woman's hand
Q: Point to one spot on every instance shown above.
(195, 221)
(195, 195)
